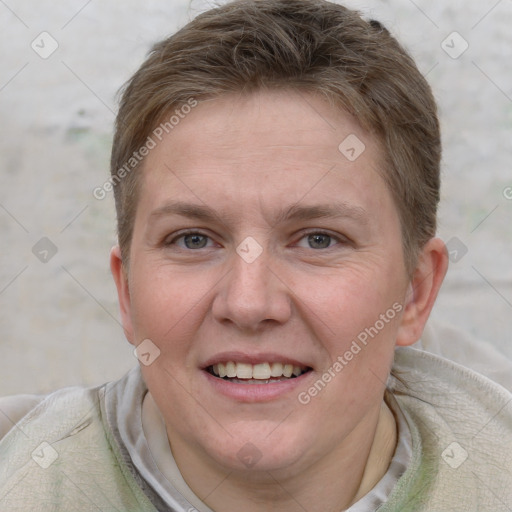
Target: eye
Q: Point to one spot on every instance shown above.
(317, 241)
(195, 241)
(191, 240)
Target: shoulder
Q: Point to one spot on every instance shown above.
(463, 348)
(13, 408)
(461, 423)
(61, 456)
(429, 382)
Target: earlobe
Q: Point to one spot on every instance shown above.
(123, 293)
(423, 290)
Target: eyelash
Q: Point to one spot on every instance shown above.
(337, 238)
(183, 234)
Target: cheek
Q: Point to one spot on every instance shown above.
(356, 319)
(167, 303)
(356, 323)
(350, 299)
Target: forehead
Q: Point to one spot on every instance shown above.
(263, 146)
(281, 122)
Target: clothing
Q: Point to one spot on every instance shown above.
(156, 465)
(459, 422)
(463, 348)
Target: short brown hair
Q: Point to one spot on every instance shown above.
(312, 46)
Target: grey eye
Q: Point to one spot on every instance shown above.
(195, 241)
(319, 241)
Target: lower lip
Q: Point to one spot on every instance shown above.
(255, 392)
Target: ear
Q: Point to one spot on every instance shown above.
(423, 289)
(123, 291)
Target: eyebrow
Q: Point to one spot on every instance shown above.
(192, 211)
(338, 210)
(294, 212)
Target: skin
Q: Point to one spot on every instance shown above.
(249, 159)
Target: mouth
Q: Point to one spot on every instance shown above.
(260, 373)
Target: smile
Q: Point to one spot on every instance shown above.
(261, 373)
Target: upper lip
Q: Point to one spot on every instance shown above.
(240, 357)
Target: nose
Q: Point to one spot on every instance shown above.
(252, 295)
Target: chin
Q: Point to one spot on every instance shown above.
(254, 450)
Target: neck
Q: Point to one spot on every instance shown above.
(381, 452)
(344, 476)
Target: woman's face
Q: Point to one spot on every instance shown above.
(266, 242)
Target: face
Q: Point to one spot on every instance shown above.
(260, 250)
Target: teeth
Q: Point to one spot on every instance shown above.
(276, 370)
(257, 372)
(244, 370)
(261, 371)
(231, 369)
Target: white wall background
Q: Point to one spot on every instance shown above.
(59, 320)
